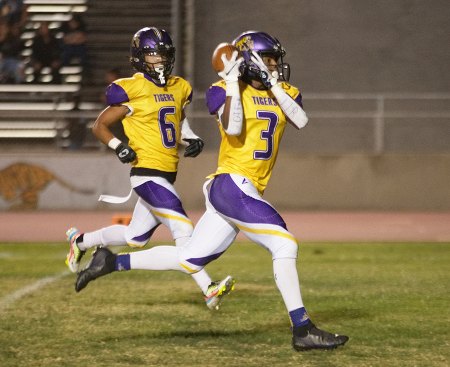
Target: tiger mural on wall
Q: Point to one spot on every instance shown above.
(21, 183)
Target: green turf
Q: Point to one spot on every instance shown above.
(391, 299)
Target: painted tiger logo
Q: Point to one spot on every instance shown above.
(21, 183)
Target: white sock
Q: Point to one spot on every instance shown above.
(156, 258)
(286, 278)
(202, 279)
(109, 236)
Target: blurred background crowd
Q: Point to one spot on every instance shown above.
(53, 45)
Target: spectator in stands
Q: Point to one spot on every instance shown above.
(14, 12)
(110, 76)
(11, 63)
(3, 29)
(46, 52)
(77, 126)
(74, 41)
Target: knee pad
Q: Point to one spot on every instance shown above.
(286, 250)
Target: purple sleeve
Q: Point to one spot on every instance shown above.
(299, 100)
(215, 97)
(115, 94)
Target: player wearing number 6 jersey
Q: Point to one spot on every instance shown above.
(151, 106)
(252, 104)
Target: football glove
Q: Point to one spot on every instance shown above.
(125, 153)
(194, 148)
(230, 72)
(268, 78)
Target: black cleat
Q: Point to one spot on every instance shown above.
(310, 337)
(103, 262)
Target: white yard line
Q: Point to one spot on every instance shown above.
(9, 299)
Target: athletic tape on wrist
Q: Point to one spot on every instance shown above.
(114, 143)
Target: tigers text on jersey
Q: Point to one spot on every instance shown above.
(253, 153)
(153, 125)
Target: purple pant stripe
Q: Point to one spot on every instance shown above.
(146, 236)
(159, 197)
(202, 261)
(229, 200)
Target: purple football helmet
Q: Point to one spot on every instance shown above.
(152, 40)
(265, 45)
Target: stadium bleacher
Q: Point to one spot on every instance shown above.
(56, 12)
(39, 112)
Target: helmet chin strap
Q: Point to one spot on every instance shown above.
(160, 71)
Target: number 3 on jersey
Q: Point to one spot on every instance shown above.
(267, 135)
(167, 128)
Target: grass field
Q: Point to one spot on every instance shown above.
(391, 299)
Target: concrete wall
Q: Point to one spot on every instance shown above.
(362, 182)
(300, 182)
(363, 47)
(99, 172)
(338, 45)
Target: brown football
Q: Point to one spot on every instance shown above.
(222, 48)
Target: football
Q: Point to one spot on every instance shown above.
(222, 48)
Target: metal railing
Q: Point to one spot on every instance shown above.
(329, 107)
(380, 113)
(375, 106)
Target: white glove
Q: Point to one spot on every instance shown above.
(230, 72)
(268, 78)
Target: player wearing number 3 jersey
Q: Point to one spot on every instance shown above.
(253, 103)
(254, 151)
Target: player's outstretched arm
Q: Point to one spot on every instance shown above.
(291, 109)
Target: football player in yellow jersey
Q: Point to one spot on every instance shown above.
(150, 105)
(253, 104)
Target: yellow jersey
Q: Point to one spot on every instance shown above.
(253, 153)
(153, 125)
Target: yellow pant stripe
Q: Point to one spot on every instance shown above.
(188, 268)
(134, 245)
(267, 231)
(171, 216)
